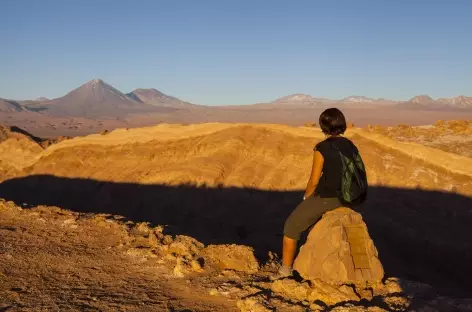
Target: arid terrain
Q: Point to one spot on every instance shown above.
(453, 136)
(146, 219)
(97, 106)
(161, 156)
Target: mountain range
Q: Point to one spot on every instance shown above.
(96, 98)
(421, 101)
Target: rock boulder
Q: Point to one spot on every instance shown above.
(339, 251)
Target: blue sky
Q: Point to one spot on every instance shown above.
(220, 52)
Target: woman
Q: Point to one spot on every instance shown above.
(321, 193)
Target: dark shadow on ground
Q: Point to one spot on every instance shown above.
(421, 235)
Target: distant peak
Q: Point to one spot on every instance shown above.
(298, 97)
(148, 93)
(95, 82)
(96, 86)
(423, 96)
(461, 100)
(422, 99)
(357, 98)
(145, 89)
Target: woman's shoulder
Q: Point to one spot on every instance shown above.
(323, 146)
(350, 143)
(340, 142)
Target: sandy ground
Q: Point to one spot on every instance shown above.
(52, 261)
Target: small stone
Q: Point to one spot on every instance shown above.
(397, 303)
(143, 228)
(69, 222)
(141, 253)
(178, 249)
(331, 294)
(179, 269)
(315, 307)
(185, 246)
(140, 241)
(366, 293)
(167, 240)
(158, 229)
(196, 266)
(253, 305)
(153, 240)
(234, 290)
(391, 286)
(291, 289)
(233, 257)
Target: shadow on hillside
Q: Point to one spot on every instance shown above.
(421, 235)
(21, 131)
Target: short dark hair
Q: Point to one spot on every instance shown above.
(333, 122)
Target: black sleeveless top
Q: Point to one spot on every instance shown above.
(330, 180)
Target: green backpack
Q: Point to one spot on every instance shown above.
(353, 179)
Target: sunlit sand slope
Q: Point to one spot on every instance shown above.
(260, 156)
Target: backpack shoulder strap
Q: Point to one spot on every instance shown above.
(335, 147)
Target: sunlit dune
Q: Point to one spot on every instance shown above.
(261, 156)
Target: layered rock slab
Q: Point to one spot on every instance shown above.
(340, 251)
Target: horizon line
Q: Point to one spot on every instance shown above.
(95, 80)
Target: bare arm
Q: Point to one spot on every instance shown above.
(316, 171)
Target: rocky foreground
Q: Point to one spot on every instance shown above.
(57, 260)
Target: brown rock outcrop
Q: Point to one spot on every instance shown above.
(339, 251)
(232, 257)
(318, 291)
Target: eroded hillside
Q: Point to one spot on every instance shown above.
(454, 136)
(259, 156)
(18, 150)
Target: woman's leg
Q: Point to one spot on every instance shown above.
(305, 215)
(289, 248)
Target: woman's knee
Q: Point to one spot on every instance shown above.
(305, 215)
(292, 230)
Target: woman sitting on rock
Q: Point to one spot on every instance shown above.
(324, 191)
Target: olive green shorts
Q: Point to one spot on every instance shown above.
(307, 213)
